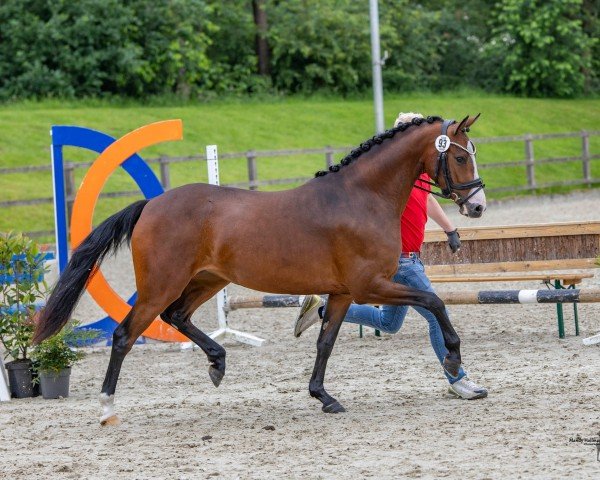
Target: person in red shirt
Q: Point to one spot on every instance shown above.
(389, 318)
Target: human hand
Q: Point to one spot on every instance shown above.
(453, 240)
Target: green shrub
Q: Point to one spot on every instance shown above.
(61, 48)
(21, 286)
(204, 48)
(544, 49)
(56, 353)
(320, 45)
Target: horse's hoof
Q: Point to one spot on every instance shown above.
(215, 375)
(113, 420)
(335, 407)
(452, 367)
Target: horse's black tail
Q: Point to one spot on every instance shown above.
(88, 256)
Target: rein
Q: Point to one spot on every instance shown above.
(442, 145)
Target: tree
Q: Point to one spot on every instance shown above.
(232, 55)
(262, 46)
(320, 45)
(542, 46)
(64, 49)
(591, 27)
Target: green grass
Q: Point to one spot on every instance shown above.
(278, 123)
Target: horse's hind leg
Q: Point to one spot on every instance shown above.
(158, 284)
(337, 306)
(139, 318)
(200, 289)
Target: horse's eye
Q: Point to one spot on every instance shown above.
(462, 160)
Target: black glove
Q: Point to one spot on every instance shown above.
(453, 240)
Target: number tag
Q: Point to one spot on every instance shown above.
(442, 143)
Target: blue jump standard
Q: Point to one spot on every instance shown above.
(140, 171)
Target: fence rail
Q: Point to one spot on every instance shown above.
(253, 182)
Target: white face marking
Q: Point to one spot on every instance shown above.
(107, 403)
(479, 197)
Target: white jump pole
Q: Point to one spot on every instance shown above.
(4, 392)
(224, 331)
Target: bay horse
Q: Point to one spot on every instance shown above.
(338, 234)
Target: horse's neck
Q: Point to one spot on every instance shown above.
(391, 170)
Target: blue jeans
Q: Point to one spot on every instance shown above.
(389, 318)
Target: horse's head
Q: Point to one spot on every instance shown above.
(452, 166)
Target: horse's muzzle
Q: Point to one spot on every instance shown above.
(472, 210)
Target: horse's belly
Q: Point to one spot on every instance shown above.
(285, 284)
(291, 273)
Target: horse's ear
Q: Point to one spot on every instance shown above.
(460, 125)
(472, 120)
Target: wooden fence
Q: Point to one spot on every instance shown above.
(253, 183)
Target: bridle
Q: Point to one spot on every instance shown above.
(442, 144)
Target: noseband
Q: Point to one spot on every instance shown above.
(442, 144)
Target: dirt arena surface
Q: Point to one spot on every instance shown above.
(262, 423)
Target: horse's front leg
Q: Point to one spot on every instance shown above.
(200, 288)
(386, 292)
(336, 309)
(181, 320)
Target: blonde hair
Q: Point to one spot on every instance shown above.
(406, 117)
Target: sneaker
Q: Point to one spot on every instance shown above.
(467, 389)
(309, 313)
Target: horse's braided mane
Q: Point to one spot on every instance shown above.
(376, 140)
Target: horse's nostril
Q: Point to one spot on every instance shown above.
(479, 208)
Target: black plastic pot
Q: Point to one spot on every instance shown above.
(55, 384)
(20, 378)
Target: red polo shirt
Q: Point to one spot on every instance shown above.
(414, 217)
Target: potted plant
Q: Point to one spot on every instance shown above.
(21, 288)
(54, 358)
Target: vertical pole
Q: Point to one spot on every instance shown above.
(212, 162)
(328, 156)
(575, 315)
(4, 391)
(529, 162)
(165, 174)
(262, 46)
(252, 173)
(224, 331)
(70, 188)
(376, 60)
(60, 216)
(585, 156)
(559, 313)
